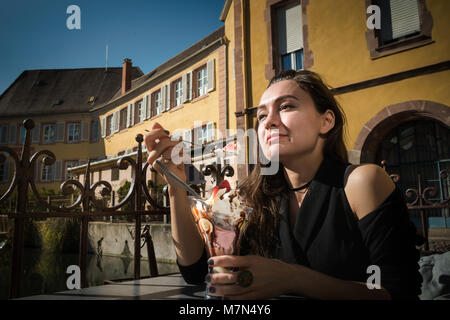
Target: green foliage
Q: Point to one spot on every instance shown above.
(129, 206)
(61, 235)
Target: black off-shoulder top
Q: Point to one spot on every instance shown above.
(327, 237)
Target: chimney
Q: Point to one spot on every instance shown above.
(126, 75)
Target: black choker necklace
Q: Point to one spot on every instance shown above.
(301, 188)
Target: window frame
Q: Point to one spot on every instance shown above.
(47, 141)
(114, 170)
(73, 163)
(177, 100)
(202, 89)
(47, 169)
(109, 125)
(123, 114)
(4, 135)
(68, 125)
(378, 50)
(97, 132)
(157, 94)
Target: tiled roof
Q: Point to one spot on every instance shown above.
(40, 92)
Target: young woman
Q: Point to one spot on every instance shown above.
(320, 226)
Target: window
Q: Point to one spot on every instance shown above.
(158, 101)
(202, 82)
(140, 112)
(23, 131)
(405, 24)
(109, 125)
(123, 119)
(178, 93)
(114, 174)
(49, 133)
(204, 134)
(74, 132)
(419, 147)
(3, 134)
(95, 125)
(47, 173)
(293, 60)
(290, 36)
(399, 19)
(70, 164)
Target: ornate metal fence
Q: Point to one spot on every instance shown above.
(84, 207)
(420, 199)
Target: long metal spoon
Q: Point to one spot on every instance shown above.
(180, 182)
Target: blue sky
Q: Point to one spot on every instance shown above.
(34, 35)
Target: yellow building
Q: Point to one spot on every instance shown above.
(387, 62)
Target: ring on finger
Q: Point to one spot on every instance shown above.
(245, 278)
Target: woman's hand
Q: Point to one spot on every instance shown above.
(159, 147)
(271, 277)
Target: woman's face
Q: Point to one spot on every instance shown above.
(289, 123)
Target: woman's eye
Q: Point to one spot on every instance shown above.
(286, 106)
(261, 117)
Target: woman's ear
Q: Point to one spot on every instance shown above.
(328, 120)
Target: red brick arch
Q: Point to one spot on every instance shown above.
(371, 134)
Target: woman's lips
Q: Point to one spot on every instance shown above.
(275, 138)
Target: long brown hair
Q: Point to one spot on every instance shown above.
(260, 235)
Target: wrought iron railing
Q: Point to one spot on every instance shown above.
(420, 199)
(84, 207)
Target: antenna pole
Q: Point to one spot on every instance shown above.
(106, 69)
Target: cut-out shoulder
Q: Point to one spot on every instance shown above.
(366, 187)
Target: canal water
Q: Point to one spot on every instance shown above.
(45, 272)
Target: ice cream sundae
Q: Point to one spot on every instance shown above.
(220, 218)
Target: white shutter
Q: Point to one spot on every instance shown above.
(163, 98)
(290, 28)
(36, 133)
(210, 73)
(404, 17)
(84, 130)
(189, 85)
(12, 134)
(210, 131)
(143, 110)
(103, 127)
(147, 106)
(60, 131)
(132, 119)
(128, 115)
(184, 88)
(187, 137)
(168, 96)
(116, 121)
(57, 170)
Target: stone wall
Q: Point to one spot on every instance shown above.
(117, 239)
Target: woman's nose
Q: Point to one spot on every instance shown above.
(272, 120)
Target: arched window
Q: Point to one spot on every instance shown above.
(420, 147)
